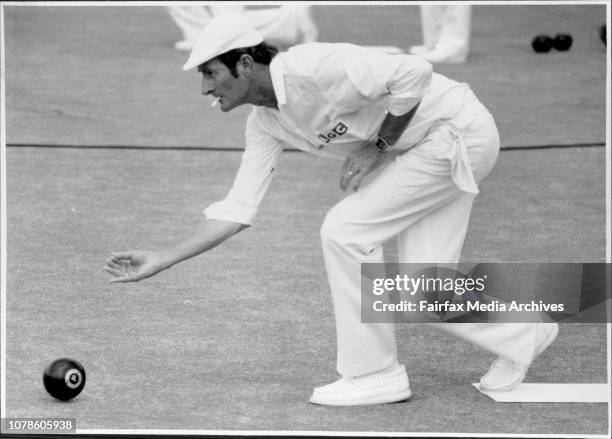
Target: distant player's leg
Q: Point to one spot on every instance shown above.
(453, 44)
(286, 25)
(306, 22)
(431, 27)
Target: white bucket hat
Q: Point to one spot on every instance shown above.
(225, 32)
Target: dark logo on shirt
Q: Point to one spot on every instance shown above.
(337, 131)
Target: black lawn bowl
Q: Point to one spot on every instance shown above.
(64, 379)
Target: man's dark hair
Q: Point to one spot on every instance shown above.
(261, 54)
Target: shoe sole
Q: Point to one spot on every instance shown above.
(379, 399)
(539, 349)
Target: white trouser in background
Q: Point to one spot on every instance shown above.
(284, 26)
(424, 197)
(446, 33)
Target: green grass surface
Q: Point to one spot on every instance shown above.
(237, 338)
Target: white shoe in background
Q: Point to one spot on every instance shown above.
(444, 54)
(419, 50)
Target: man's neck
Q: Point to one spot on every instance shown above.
(262, 89)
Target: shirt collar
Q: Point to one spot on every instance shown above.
(277, 70)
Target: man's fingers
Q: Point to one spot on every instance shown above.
(115, 272)
(121, 280)
(344, 181)
(115, 263)
(360, 174)
(125, 266)
(117, 256)
(345, 165)
(132, 277)
(122, 276)
(356, 182)
(347, 177)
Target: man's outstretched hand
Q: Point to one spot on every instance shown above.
(134, 265)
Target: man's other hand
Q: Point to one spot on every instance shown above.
(359, 163)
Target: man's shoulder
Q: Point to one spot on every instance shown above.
(310, 54)
(318, 46)
(441, 81)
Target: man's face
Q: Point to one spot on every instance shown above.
(218, 81)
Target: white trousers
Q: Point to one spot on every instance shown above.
(283, 26)
(418, 200)
(446, 26)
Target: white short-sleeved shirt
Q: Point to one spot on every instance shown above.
(331, 99)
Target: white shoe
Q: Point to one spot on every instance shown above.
(376, 388)
(419, 50)
(184, 45)
(442, 54)
(389, 50)
(505, 375)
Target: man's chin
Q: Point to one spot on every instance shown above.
(229, 107)
(225, 107)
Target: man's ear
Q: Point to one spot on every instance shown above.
(245, 65)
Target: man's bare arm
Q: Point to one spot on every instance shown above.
(135, 265)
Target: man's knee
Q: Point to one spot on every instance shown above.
(339, 230)
(333, 227)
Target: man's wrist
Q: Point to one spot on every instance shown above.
(166, 258)
(381, 144)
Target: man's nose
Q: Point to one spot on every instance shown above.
(206, 86)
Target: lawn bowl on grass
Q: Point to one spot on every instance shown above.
(64, 379)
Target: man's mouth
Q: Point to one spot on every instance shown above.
(215, 102)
